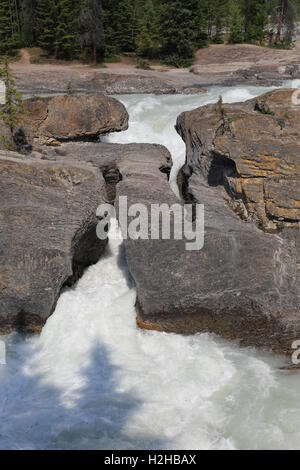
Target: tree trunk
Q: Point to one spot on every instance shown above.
(278, 37)
(95, 55)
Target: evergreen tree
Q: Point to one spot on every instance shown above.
(255, 19)
(179, 28)
(13, 107)
(9, 27)
(29, 22)
(120, 25)
(91, 31)
(236, 23)
(67, 29)
(126, 31)
(172, 29)
(110, 25)
(148, 39)
(46, 17)
(201, 24)
(207, 13)
(220, 19)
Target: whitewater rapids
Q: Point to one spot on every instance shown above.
(92, 380)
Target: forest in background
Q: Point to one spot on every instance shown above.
(168, 30)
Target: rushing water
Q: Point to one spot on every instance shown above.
(93, 380)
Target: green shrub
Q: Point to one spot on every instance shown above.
(220, 108)
(143, 64)
(112, 59)
(7, 144)
(35, 59)
(69, 89)
(281, 45)
(12, 109)
(177, 61)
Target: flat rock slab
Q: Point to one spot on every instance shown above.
(53, 80)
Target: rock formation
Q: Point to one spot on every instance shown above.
(67, 118)
(252, 150)
(242, 164)
(31, 81)
(49, 202)
(48, 220)
(47, 234)
(245, 282)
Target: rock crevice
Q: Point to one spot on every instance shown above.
(49, 202)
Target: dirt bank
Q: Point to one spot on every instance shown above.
(215, 65)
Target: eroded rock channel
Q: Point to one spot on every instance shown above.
(242, 163)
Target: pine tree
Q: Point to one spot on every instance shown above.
(236, 23)
(13, 107)
(110, 25)
(169, 28)
(29, 22)
(15, 15)
(126, 26)
(148, 39)
(9, 27)
(220, 16)
(91, 31)
(179, 28)
(46, 15)
(255, 19)
(67, 30)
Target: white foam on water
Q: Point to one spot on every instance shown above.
(153, 118)
(93, 380)
(294, 83)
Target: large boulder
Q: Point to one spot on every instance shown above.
(65, 118)
(47, 234)
(252, 150)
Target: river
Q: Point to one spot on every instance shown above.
(92, 380)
